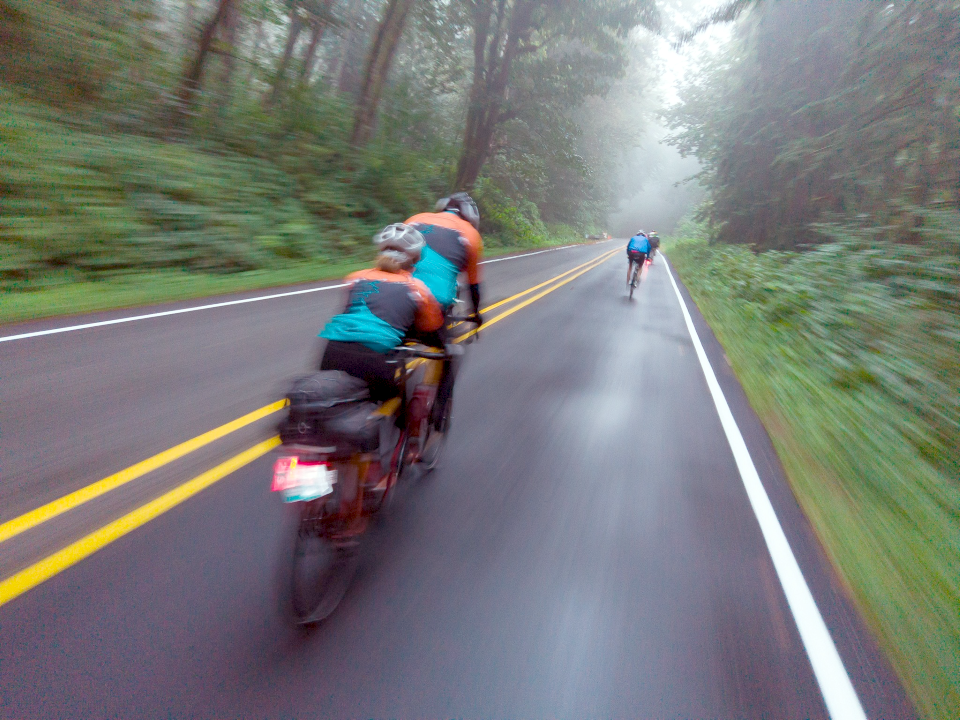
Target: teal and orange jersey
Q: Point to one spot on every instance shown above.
(453, 246)
(381, 308)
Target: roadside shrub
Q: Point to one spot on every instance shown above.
(77, 205)
(506, 223)
(849, 353)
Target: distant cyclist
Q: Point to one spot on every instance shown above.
(638, 250)
(654, 242)
(453, 246)
(384, 304)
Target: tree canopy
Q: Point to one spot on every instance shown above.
(363, 110)
(826, 109)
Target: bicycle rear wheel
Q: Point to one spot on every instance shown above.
(635, 279)
(320, 572)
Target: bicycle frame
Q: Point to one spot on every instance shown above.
(336, 490)
(342, 493)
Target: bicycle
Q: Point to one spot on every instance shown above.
(634, 271)
(343, 457)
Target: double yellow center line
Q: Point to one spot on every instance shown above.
(37, 573)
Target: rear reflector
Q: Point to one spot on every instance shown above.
(300, 482)
(284, 474)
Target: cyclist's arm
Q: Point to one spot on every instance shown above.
(429, 315)
(474, 255)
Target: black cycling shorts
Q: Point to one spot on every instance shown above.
(637, 256)
(376, 369)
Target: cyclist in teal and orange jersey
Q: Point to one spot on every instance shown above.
(384, 305)
(454, 245)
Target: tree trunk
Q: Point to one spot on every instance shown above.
(310, 56)
(258, 38)
(191, 82)
(296, 25)
(317, 28)
(496, 45)
(377, 68)
(348, 79)
(229, 32)
(189, 20)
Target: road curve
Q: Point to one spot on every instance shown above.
(586, 549)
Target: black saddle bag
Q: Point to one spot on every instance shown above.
(332, 409)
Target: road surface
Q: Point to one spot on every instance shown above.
(587, 548)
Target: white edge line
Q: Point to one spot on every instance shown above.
(836, 687)
(117, 321)
(165, 313)
(531, 254)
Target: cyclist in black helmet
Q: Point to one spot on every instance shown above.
(453, 246)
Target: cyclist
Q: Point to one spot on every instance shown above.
(638, 249)
(453, 246)
(654, 242)
(384, 304)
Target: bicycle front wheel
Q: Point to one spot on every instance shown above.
(434, 437)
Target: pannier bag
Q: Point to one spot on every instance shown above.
(331, 409)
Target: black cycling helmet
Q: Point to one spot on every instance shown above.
(463, 205)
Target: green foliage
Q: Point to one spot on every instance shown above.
(849, 353)
(507, 223)
(98, 181)
(78, 205)
(75, 54)
(827, 107)
(832, 125)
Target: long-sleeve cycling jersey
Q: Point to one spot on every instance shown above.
(381, 308)
(639, 243)
(453, 246)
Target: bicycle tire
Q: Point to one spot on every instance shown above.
(634, 280)
(435, 439)
(321, 572)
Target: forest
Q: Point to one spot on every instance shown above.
(224, 136)
(826, 257)
(160, 141)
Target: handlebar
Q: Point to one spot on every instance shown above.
(420, 351)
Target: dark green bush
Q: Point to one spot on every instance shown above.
(883, 318)
(77, 204)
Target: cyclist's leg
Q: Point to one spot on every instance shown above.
(451, 365)
(436, 338)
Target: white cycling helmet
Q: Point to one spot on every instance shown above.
(401, 241)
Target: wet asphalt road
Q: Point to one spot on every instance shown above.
(586, 548)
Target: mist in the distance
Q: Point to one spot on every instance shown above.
(655, 184)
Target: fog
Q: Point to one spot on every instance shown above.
(657, 187)
(656, 184)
